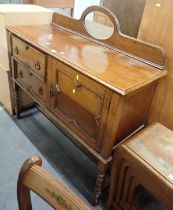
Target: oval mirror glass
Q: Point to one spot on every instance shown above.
(99, 25)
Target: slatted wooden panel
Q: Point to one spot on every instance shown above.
(157, 27)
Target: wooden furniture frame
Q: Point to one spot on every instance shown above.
(33, 178)
(96, 91)
(53, 4)
(138, 162)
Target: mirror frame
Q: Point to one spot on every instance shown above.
(109, 14)
(90, 31)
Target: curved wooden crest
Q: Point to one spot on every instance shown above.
(138, 49)
(33, 177)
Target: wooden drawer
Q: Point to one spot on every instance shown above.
(30, 56)
(31, 83)
(79, 102)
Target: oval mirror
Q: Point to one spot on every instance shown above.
(99, 25)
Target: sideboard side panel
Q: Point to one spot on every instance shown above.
(135, 112)
(126, 115)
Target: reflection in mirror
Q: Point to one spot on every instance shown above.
(99, 25)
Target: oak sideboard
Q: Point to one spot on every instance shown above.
(96, 91)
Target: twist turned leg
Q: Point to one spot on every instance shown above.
(99, 185)
(99, 181)
(17, 102)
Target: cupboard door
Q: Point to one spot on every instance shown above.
(79, 102)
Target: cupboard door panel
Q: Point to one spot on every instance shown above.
(79, 93)
(79, 117)
(78, 102)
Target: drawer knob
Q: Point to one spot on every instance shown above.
(21, 74)
(40, 91)
(37, 66)
(16, 50)
(27, 47)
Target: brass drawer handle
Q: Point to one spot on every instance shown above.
(16, 50)
(37, 66)
(40, 91)
(77, 84)
(20, 74)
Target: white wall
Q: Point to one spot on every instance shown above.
(81, 5)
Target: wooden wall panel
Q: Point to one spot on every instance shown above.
(128, 12)
(157, 27)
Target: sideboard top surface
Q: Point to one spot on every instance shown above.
(113, 69)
